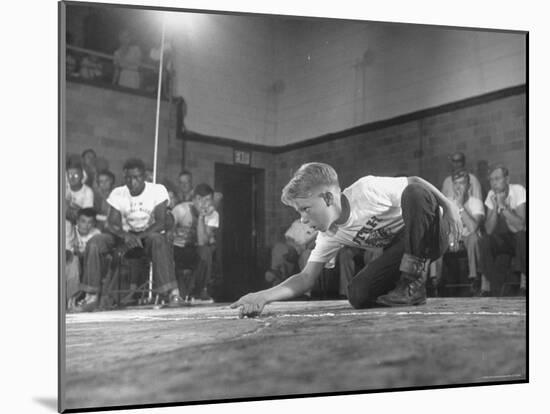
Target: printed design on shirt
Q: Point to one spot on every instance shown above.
(370, 236)
(138, 216)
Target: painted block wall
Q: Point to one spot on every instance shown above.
(224, 71)
(339, 75)
(118, 126)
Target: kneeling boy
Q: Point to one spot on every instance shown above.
(407, 216)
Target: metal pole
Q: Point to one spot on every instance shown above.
(155, 155)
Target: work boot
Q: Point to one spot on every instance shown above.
(411, 287)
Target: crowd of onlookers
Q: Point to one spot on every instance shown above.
(492, 226)
(171, 226)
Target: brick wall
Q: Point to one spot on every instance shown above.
(119, 125)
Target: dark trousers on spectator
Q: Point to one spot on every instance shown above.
(156, 247)
(421, 237)
(503, 241)
(188, 266)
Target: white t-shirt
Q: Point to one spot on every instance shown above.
(375, 217)
(83, 198)
(81, 240)
(212, 220)
(185, 233)
(516, 197)
(137, 212)
(474, 207)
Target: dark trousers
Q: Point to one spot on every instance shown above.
(420, 237)
(156, 247)
(189, 266)
(503, 241)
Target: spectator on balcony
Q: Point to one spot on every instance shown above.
(91, 68)
(71, 61)
(127, 59)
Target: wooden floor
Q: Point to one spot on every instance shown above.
(205, 352)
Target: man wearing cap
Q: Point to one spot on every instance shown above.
(458, 161)
(505, 224)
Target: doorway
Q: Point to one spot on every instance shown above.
(241, 236)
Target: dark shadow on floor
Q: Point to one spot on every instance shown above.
(48, 402)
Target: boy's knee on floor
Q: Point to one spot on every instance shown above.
(358, 299)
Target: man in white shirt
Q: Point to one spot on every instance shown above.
(472, 214)
(406, 216)
(137, 219)
(505, 224)
(78, 195)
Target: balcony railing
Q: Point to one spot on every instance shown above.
(99, 69)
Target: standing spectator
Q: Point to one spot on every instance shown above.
(126, 60)
(458, 162)
(505, 224)
(91, 68)
(191, 231)
(78, 195)
(89, 166)
(105, 184)
(185, 182)
(137, 219)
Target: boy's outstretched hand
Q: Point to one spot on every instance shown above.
(250, 305)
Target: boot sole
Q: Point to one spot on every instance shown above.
(395, 304)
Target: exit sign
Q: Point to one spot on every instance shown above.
(241, 157)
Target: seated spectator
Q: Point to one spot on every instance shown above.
(149, 175)
(136, 220)
(78, 195)
(76, 240)
(91, 68)
(290, 256)
(505, 224)
(193, 228)
(126, 61)
(72, 267)
(458, 162)
(105, 184)
(472, 215)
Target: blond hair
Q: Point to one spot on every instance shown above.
(308, 177)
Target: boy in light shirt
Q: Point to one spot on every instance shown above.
(407, 216)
